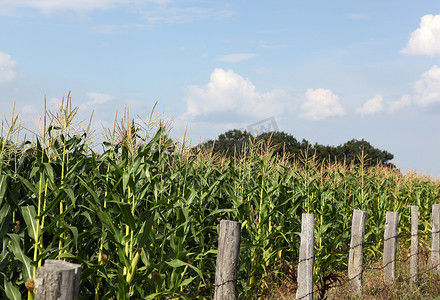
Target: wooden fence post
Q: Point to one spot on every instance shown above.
(414, 262)
(390, 246)
(306, 258)
(57, 280)
(355, 269)
(435, 254)
(227, 260)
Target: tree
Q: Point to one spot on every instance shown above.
(354, 149)
(283, 142)
(228, 143)
(232, 142)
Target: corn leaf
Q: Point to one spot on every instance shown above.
(11, 291)
(29, 216)
(20, 256)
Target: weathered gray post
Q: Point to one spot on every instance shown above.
(57, 280)
(355, 269)
(227, 260)
(390, 246)
(414, 261)
(306, 258)
(435, 254)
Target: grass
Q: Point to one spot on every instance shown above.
(141, 215)
(283, 286)
(427, 287)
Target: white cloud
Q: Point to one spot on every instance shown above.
(119, 28)
(358, 16)
(321, 104)
(28, 110)
(372, 106)
(98, 98)
(230, 92)
(266, 46)
(8, 68)
(153, 11)
(263, 44)
(146, 13)
(50, 6)
(404, 101)
(427, 89)
(163, 14)
(95, 99)
(53, 104)
(236, 57)
(425, 40)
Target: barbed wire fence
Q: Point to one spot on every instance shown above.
(337, 281)
(282, 268)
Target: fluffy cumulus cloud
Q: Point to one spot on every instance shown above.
(236, 57)
(404, 101)
(227, 91)
(427, 89)
(372, 106)
(8, 68)
(321, 104)
(425, 40)
(95, 99)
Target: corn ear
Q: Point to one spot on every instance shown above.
(134, 263)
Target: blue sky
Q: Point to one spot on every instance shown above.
(328, 71)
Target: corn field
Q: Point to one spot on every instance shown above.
(140, 212)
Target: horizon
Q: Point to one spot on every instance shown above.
(159, 118)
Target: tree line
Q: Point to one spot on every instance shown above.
(234, 142)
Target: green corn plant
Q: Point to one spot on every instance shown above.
(60, 198)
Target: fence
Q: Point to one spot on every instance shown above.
(305, 265)
(57, 276)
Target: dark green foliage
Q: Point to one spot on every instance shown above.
(234, 142)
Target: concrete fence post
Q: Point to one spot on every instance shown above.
(390, 246)
(306, 258)
(57, 280)
(435, 247)
(414, 261)
(355, 269)
(227, 260)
